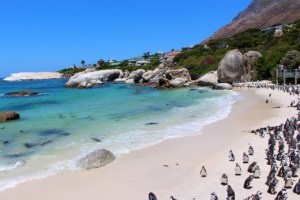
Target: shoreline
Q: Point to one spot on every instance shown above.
(141, 171)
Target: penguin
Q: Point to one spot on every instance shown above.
(297, 188)
(257, 196)
(238, 170)
(251, 167)
(224, 179)
(231, 156)
(282, 195)
(248, 181)
(273, 186)
(257, 172)
(230, 193)
(213, 196)
(203, 172)
(152, 196)
(245, 158)
(171, 197)
(250, 150)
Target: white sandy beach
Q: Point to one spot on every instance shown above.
(133, 176)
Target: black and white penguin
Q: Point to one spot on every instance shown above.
(238, 170)
(248, 182)
(230, 193)
(152, 196)
(224, 179)
(250, 150)
(203, 172)
(297, 188)
(213, 196)
(282, 195)
(231, 156)
(273, 186)
(245, 158)
(171, 197)
(257, 172)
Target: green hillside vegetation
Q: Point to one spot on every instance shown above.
(202, 59)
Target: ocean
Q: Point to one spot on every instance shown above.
(60, 125)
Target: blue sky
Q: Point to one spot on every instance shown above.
(48, 35)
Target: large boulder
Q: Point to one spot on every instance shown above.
(250, 58)
(174, 78)
(222, 86)
(22, 93)
(25, 76)
(177, 82)
(231, 67)
(91, 79)
(8, 116)
(208, 79)
(96, 159)
(137, 75)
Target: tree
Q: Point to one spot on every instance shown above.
(82, 62)
(146, 55)
(291, 59)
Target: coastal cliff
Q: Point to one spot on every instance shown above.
(261, 14)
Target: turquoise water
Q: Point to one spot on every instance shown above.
(56, 127)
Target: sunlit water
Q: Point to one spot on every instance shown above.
(59, 126)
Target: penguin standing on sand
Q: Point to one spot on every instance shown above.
(203, 172)
(231, 156)
(224, 179)
(238, 170)
(273, 186)
(213, 196)
(152, 196)
(245, 158)
(250, 150)
(297, 188)
(230, 193)
(248, 182)
(282, 195)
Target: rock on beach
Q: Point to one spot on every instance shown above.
(96, 159)
(8, 116)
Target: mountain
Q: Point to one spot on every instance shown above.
(261, 14)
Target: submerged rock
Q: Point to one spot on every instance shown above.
(96, 159)
(22, 93)
(8, 116)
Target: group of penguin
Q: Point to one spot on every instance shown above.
(288, 155)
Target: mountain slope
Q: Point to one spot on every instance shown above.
(261, 14)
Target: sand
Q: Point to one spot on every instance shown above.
(23, 76)
(134, 175)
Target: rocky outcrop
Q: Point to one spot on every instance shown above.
(261, 14)
(96, 159)
(174, 78)
(250, 58)
(8, 116)
(231, 67)
(222, 86)
(90, 79)
(208, 79)
(22, 93)
(137, 75)
(278, 33)
(25, 76)
(235, 67)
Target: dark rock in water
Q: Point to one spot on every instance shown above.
(5, 142)
(53, 132)
(22, 93)
(8, 116)
(15, 155)
(47, 142)
(96, 139)
(151, 123)
(96, 159)
(198, 90)
(137, 92)
(29, 145)
(2, 128)
(64, 134)
(28, 106)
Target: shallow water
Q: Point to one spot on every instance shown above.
(61, 125)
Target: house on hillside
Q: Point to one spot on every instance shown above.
(114, 63)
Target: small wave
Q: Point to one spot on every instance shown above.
(12, 166)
